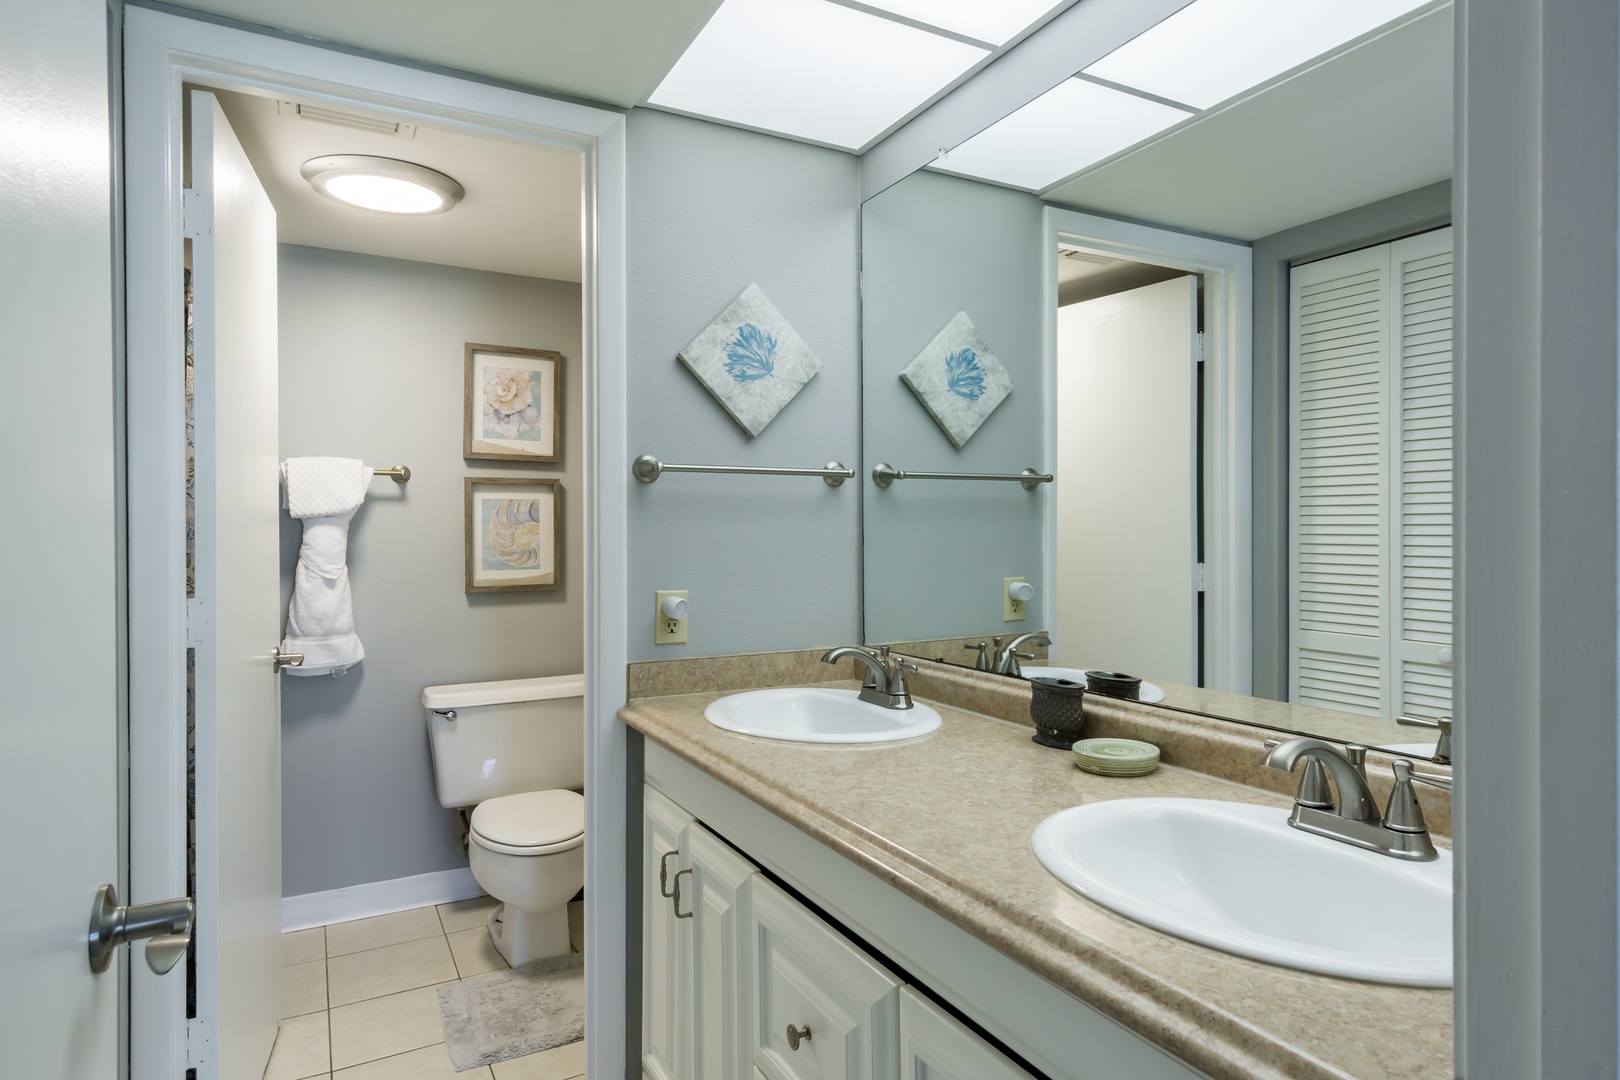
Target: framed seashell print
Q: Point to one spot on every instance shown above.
(514, 404)
(514, 533)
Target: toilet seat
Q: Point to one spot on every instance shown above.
(530, 823)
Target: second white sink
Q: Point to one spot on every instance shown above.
(1238, 878)
(818, 715)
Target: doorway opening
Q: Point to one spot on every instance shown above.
(458, 538)
(382, 337)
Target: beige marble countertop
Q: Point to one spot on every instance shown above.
(947, 820)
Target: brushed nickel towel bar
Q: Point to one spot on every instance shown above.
(883, 475)
(399, 473)
(647, 468)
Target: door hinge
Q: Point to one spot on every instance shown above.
(199, 1043)
(196, 215)
(1200, 346)
(1199, 576)
(194, 622)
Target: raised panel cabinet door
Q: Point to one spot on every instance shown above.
(717, 899)
(821, 1008)
(934, 1045)
(666, 942)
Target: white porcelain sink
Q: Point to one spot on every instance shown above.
(818, 715)
(1149, 693)
(1236, 877)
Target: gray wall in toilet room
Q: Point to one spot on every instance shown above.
(372, 368)
(769, 562)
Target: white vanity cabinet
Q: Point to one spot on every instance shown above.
(741, 981)
(819, 1008)
(694, 928)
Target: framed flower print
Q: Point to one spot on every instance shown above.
(514, 533)
(514, 404)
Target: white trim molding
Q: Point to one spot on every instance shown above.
(163, 51)
(377, 898)
(1228, 275)
(1537, 426)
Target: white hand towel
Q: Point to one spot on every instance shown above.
(325, 493)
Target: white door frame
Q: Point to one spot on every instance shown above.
(1227, 271)
(162, 51)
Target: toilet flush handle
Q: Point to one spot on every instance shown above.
(448, 714)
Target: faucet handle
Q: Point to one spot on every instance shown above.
(1404, 813)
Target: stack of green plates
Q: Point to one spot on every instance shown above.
(1116, 757)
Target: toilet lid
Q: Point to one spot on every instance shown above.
(531, 819)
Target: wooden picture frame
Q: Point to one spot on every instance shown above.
(513, 404)
(513, 533)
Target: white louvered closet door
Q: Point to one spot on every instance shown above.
(1370, 479)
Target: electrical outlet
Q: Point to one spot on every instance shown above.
(667, 630)
(1011, 610)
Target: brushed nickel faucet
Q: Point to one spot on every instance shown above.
(885, 682)
(1353, 818)
(1007, 656)
(1442, 748)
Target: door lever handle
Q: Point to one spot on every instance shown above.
(165, 924)
(292, 659)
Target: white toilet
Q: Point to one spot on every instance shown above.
(515, 751)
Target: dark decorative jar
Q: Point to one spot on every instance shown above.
(1056, 707)
(1114, 684)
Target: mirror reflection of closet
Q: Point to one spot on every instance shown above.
(1274, 521)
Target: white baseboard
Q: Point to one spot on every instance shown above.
(377, 898)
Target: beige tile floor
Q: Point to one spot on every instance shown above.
(360, 1000)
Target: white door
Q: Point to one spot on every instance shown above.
(59, 588)
(717, 901)
(1127, 556)
(666, 941)
(934, 1045)
(1370, 479)
(235, 619)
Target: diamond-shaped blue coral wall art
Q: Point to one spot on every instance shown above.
(751, 360)
(958, 380)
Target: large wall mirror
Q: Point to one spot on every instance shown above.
(1157, 376)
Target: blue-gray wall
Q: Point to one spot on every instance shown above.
(769, 562)
(937, 551)
(372, 367)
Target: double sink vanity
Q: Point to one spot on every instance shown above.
(832, 887)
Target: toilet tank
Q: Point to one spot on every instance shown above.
(507, 737)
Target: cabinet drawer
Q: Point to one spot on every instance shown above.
(807, 975)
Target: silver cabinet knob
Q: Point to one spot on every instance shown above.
(165, 925)
(795, 1035)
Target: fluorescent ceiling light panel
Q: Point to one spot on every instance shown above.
(995, 21)
(811, 69)
(1073, 125)
(1212, 50)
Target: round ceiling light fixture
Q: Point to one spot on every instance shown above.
(382, 185)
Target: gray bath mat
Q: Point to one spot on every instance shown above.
(508, 1014)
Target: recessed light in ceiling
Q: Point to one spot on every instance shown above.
(384, 185)
(811, 69)
(1073, 125)
(996, 21)
(1212, 50)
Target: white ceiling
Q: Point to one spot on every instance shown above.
(613, 51)
(1370, 123)
(522, 213)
